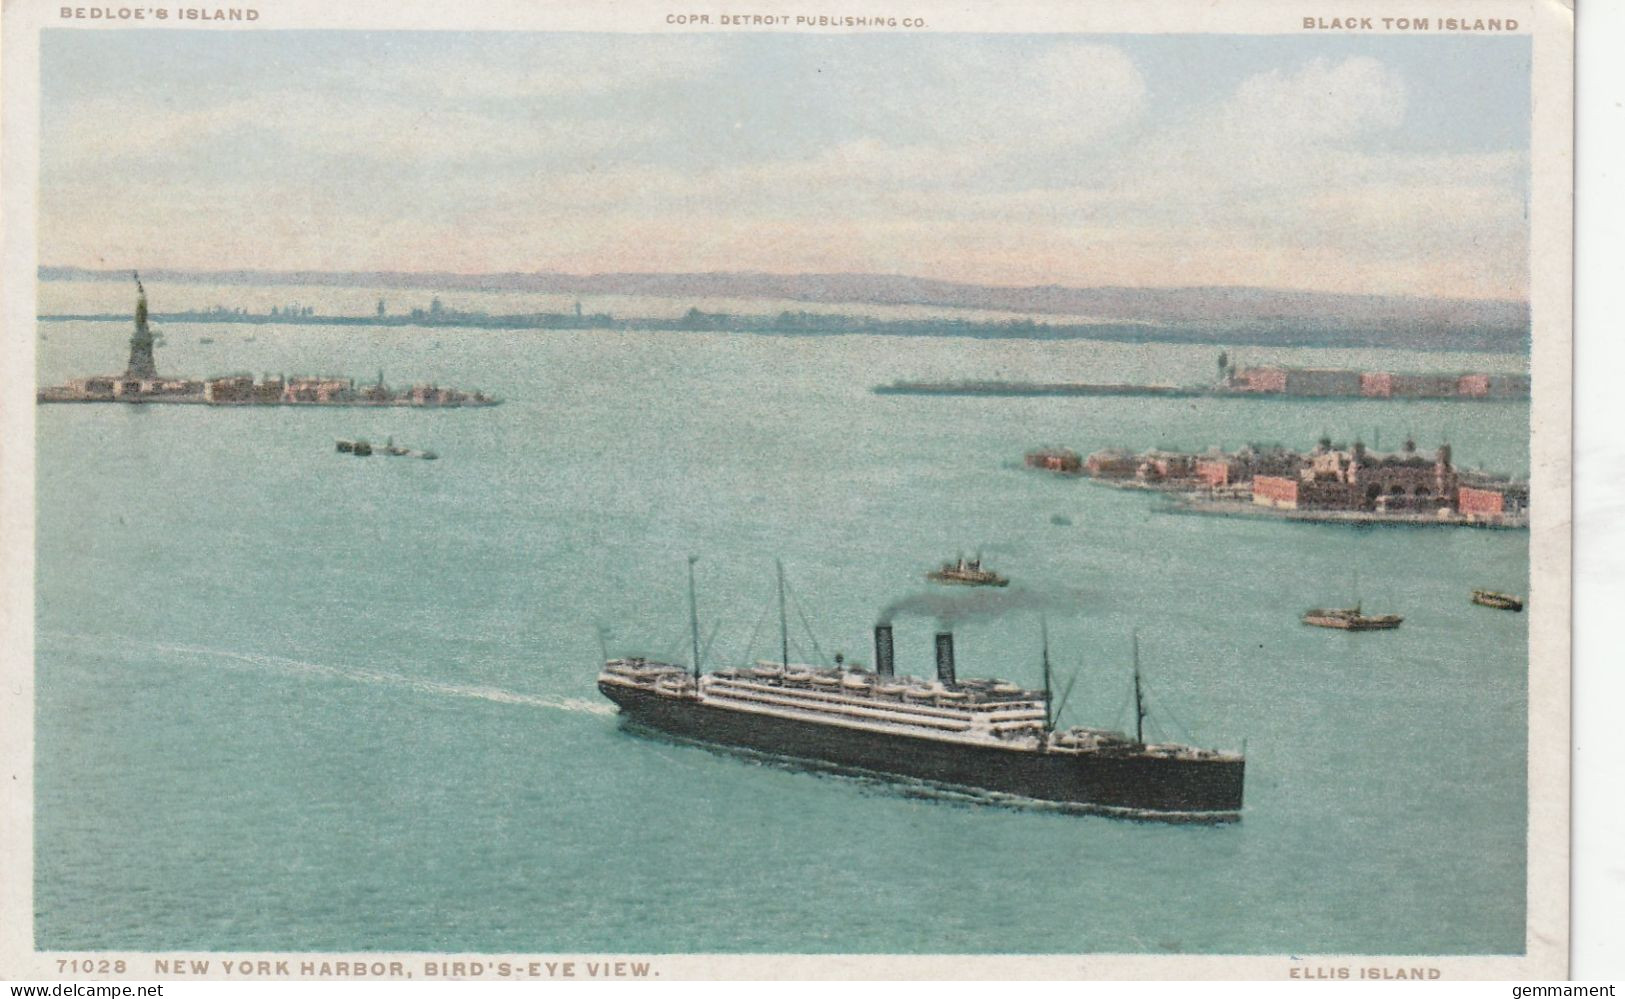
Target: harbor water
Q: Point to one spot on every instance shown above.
(290, 699)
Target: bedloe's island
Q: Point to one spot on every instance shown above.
(141, 383)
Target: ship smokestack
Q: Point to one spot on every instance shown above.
(883, 650)
(945, 657)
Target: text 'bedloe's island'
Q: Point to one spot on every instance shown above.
(158, 14)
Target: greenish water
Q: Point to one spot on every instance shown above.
(290, 699)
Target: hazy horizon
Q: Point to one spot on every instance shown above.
(1362, 165)
(227, 275)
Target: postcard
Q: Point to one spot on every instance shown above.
(790, 491)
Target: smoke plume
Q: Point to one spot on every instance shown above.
(969, 605)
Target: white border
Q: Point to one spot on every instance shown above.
(1549, 22)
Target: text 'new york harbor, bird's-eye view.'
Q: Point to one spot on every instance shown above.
(868, 491)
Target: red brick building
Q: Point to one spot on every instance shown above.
(1163, 466)
(1216, 473)
(1113, 464)
(1276, 491)
(1261, 380)
(1377, 384)
(1473, 502)
(1055, 460)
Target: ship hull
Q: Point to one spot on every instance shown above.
(1209, 788)
(1344, 625)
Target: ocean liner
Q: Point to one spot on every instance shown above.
(981, 735)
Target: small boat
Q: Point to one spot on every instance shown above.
(396, 451)
(1351, 619)
(361, 449)
(967, 573)
(1500, 601)
(348, 447)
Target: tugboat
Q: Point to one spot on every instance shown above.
(1351, 619)
(982, 735)
(396, 451)
(967, 573)
(1500, 601)
(362, 449)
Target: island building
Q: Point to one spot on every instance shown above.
(1064, 460)
(1332, 477)
(1334, 382)
(1359, 479)
(1113, 463)
(1217, 470)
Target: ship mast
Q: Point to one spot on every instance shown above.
(1139, 701)
(1049, 720)
(784, 621)
(694, 617)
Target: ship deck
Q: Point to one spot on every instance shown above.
(987, 713)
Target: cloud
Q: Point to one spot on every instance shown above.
(1320, 101)
(1001, 101)
(1019, 162)
(1279, 127)
(442, 108)
(521, 68)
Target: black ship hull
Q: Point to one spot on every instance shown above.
(1128, 781)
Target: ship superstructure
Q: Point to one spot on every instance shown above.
(1351, 619)
(984, 735)
(967, 573)
(1499, 601)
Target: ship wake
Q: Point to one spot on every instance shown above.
(231, 659)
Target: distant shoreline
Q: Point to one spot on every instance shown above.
(1040, 389)
(835, 324)
(1238, 315)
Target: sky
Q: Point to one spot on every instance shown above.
(1366, 164)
